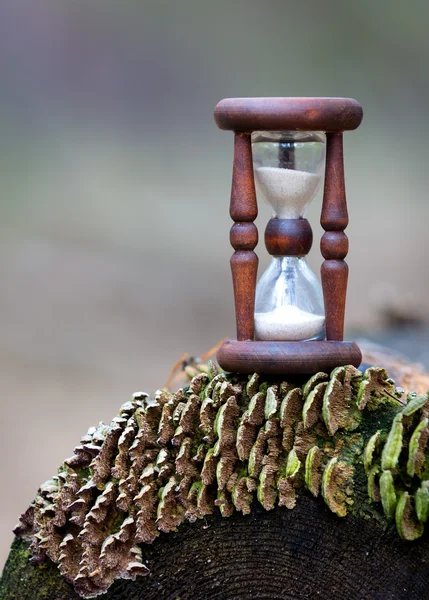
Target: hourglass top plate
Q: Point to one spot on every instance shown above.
(280, 114)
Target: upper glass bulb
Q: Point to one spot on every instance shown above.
(288, 168)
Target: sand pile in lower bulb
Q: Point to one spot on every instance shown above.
(288, 191)
(287, 323)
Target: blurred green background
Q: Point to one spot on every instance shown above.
(115, 186)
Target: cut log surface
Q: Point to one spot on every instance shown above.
(277, 555)
(280, 554)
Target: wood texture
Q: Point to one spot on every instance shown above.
(288, 237)
(283, 358)
(298, 554)
(282, 114)
(244, 236)
(334, 244)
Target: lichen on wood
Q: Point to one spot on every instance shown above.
(221, 444)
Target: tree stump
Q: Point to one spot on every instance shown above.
(279, 554)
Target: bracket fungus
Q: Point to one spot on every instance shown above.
(222, 443)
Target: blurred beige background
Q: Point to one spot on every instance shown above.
(115, 186)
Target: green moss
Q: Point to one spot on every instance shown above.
(21, 579)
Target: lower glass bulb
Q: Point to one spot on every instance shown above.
(289, 302)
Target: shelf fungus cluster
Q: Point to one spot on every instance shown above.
(222, 443)
(397, 466)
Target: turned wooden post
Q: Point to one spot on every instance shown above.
(243, 236)
(334, 244)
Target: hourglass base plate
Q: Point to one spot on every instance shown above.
(286, 358)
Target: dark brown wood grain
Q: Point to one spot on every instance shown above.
(334, 245)
(334, 209)
(244, 267)
(302, 554)
(282, 114)
(243, 206)
(286, 358)
(244, 236)
(288, 237)
(334, 275)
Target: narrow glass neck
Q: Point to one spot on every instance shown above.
(288, 263)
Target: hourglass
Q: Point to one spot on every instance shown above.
(288, 323)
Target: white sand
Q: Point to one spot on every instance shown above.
(287, 191)
(287, 323)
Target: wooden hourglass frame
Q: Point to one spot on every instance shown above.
(288, 237)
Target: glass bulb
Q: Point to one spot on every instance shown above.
(289, 302)
(288, 168)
